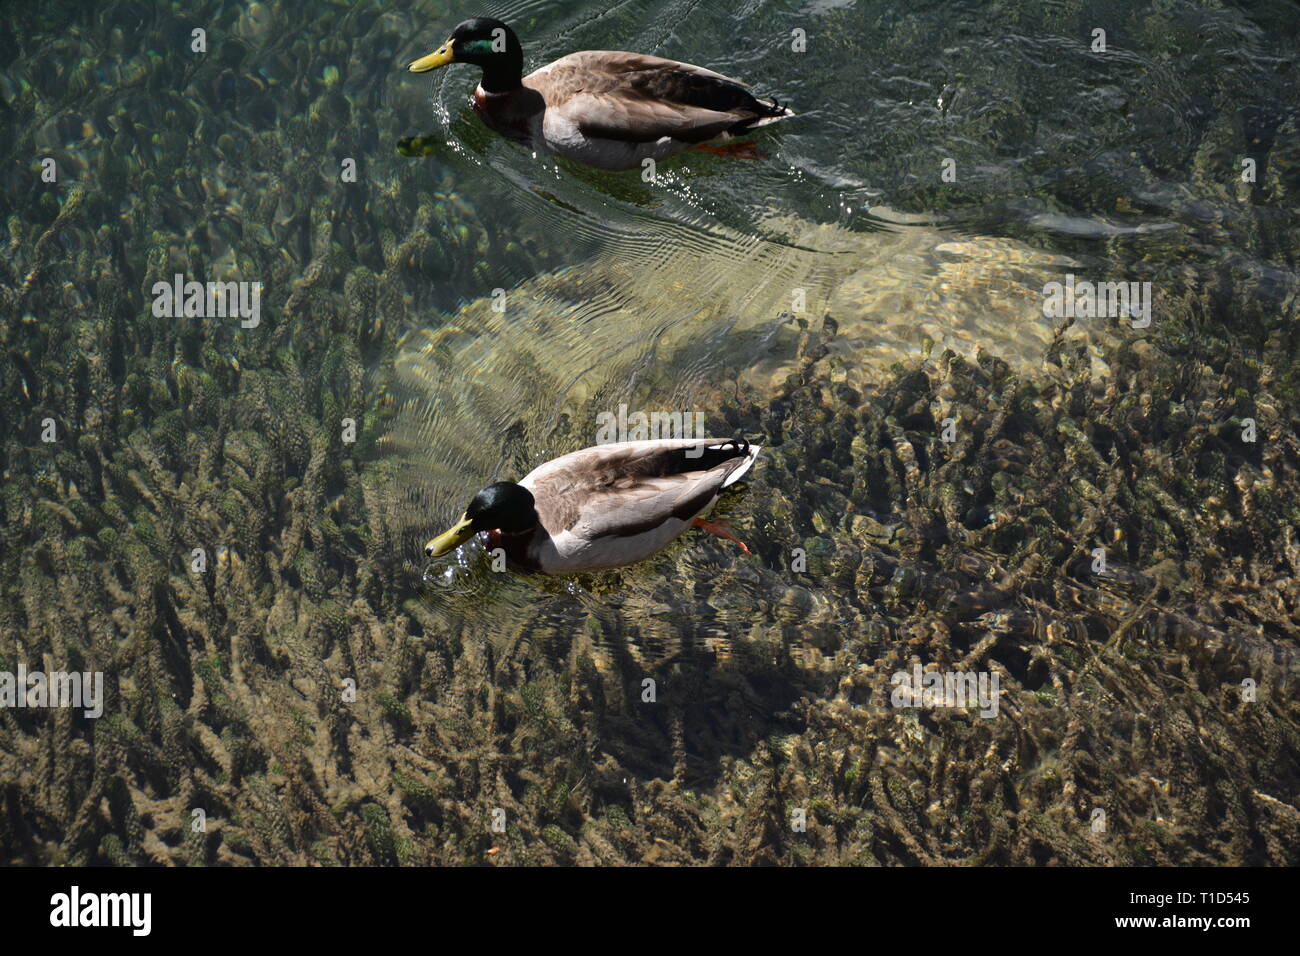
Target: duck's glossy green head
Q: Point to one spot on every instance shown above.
(486, 43)
(503, 506)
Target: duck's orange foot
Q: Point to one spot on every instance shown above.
(722, 530)
(739, 150)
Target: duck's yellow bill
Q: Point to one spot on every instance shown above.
(439, 57)
(450, 540)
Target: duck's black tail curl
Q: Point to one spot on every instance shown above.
(701, 456)
(715, 455)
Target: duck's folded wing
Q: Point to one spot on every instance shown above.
(647, 504)
(631, 489)
(631, 119)
(636, 98)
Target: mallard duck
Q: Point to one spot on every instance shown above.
(604, 108)
(603, 507)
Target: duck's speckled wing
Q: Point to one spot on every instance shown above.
(636, 98)
(633, 487)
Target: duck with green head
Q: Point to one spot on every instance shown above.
(604, 506)
(604, 108)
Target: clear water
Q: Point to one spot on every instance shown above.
(1117, 165)
(702, 291)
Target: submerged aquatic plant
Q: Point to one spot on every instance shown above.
(228, 688)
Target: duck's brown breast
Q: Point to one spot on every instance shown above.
(516, 548)
(509, 114)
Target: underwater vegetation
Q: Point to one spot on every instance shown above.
(228, 687)
(1122, 690)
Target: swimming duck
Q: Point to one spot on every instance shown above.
(605, 108)
(605, 506)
